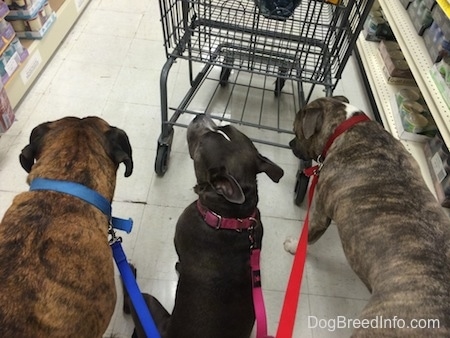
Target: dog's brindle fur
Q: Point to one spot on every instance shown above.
(214, 292)
(394, 234)
(56, 269)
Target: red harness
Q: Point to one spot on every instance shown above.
(289, 310)
(218, 222)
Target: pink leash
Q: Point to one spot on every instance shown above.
(258, 299)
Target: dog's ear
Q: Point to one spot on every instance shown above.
(271, 169)
(29, 153)
(120, 149)
(226, 185)
(312, 121)
(341, 98)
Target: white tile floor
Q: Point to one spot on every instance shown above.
(109, 65)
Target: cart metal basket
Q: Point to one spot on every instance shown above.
(257, 69)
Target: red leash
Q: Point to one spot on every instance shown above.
(291, 298)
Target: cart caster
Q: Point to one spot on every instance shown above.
(279, 83)
(162, 155)
(301, 185)
(162, 159)
(226, 71)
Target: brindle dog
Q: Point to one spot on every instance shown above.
(56, 268)
(394, 234)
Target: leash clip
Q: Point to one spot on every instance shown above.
(114, 238)
(319, 161)
(251, 233)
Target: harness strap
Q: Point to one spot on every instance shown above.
(86, 194)
(129, 281)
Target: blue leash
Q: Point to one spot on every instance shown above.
(100, 202)
(129, 281)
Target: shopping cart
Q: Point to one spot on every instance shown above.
(256, 63)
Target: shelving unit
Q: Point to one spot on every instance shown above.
(41, 51)
(420, 63)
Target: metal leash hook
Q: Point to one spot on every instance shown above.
(113, 237)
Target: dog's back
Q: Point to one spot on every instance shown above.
(56, 269)
(395, 222)
(214, 292)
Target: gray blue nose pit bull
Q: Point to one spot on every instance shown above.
(394, 234)
(214, 292)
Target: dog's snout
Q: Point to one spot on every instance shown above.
(204, 121)
(292, 143)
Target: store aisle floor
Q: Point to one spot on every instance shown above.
(109, 65)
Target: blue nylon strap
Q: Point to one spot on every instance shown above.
(129, 281)
(84, 193)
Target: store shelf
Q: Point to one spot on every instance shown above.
(41, 51)
(416, 54)
(382, 94)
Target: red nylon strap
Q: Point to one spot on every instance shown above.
(344, 126)
(291, 298)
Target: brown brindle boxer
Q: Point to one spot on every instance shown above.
(394, 234)
(56, 268)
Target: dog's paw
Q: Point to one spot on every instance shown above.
(290, 244)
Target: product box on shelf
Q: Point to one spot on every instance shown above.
(440, 72)
(437, 44)
(438, 160)
(406, 3)
(395, 67)
(10, 60)
(420, 16)
(37, 26)
(376, 27)
(6, 35)
(6, 111)
(430, 4)
(4, 9)
(24, 9)
(411, 115)
(442, 16)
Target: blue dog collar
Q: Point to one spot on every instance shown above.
(85, 194)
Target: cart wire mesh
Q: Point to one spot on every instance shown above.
(248, 58)
(311, 45)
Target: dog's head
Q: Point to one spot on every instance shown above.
(65, 143)
(316, 122)
(226, 161)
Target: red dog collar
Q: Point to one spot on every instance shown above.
(218, 222)
(343, 127)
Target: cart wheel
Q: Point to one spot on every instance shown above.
(162, 159)
(279, 84)
(224, 75)
(301, 186)
(226, 70)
